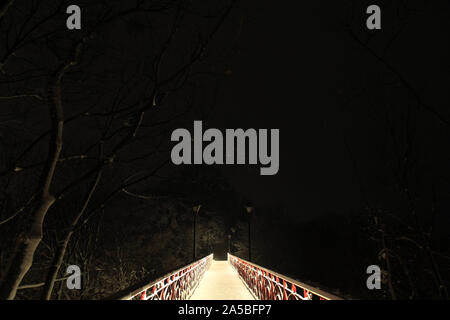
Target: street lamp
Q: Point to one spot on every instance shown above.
(249, 210)
(195, 209)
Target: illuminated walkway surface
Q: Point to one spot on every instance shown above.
(221, 282)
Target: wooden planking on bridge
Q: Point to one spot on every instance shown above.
(221, 282)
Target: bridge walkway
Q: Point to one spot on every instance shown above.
(221, 282)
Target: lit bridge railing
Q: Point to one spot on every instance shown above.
(269, 285)
(176, 285)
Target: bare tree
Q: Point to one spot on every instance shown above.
(119, 122)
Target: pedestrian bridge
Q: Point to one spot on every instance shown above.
(231, 279)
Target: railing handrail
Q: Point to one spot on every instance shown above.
(144, 287)
(314, 290)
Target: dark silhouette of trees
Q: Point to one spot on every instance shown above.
(98, 105)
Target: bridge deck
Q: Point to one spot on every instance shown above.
(221, 282)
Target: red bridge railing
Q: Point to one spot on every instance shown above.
(176, 285)
(269, 285)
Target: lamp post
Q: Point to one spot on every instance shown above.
(249, 210)
(195, 209)
(229, 243)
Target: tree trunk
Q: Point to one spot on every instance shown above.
(56, 264)
(62, 245)
(23, 257)
(28, 243)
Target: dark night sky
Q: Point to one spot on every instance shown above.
(294, 67)
(287, 77)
